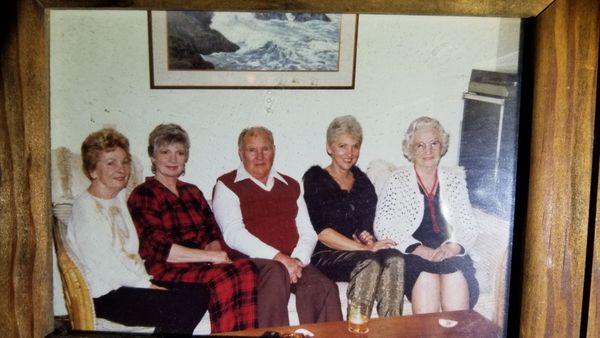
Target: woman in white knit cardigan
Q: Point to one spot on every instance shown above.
(426, 210)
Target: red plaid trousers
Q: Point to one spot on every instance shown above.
(232, 289)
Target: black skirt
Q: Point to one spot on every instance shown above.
(414, 265)
(433, 232)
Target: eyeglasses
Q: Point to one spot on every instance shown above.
(422, 147)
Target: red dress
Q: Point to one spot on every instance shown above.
(162, 219)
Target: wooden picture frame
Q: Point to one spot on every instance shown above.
(560, 276)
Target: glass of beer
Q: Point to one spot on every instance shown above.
(358, 317)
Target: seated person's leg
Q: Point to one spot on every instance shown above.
(390, 289)
(273, 293)
(455, 292)
(317, 297)
(338, 265)
(364, 279)
(426, 293)
(170, 311)
(187, 299)
(233, 295)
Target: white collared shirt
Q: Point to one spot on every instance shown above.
(228, 213)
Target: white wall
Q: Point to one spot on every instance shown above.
(407, 66)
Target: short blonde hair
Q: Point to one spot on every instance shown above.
(166, 134)
(422, 123)
(253, 131)
(341, 125)
(106, 139)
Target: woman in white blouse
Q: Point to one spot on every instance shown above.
(102, 235)
(426, 210)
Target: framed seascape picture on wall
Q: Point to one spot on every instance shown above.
(191, 49)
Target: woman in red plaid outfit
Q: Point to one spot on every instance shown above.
(180, 240)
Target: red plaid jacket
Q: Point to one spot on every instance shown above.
(163, 219)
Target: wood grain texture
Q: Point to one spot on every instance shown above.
(559, 192)
(593, 328)
(25, 256)
(512, 8)
(560, 176)
(8, 218)
(470, 324)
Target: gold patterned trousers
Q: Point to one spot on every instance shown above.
(371, 276)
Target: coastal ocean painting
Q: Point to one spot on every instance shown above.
(252, 50)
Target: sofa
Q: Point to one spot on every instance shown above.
(489, 254)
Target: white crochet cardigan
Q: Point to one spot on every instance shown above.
(400, 208)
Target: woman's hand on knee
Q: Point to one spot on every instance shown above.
(217, 257)
(446, 251)
(382, 244)
(364, 238)
(424, 252)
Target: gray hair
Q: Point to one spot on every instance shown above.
(253, 131)
(346, 124)
(166, 134)
(422, 123)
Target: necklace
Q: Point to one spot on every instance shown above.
(430, 196)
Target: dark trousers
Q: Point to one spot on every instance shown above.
(338, 265)
(273, 293)
(317, 298)
(177, 310)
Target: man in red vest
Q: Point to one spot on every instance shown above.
(263, 216)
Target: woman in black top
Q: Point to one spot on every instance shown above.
(341, 202)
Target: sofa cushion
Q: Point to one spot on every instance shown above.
(68, 179)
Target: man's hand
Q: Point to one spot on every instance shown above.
(293, 266)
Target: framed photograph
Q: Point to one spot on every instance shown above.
(462, 71)
(190, 49)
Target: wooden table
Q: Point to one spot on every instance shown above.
(470, 324)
